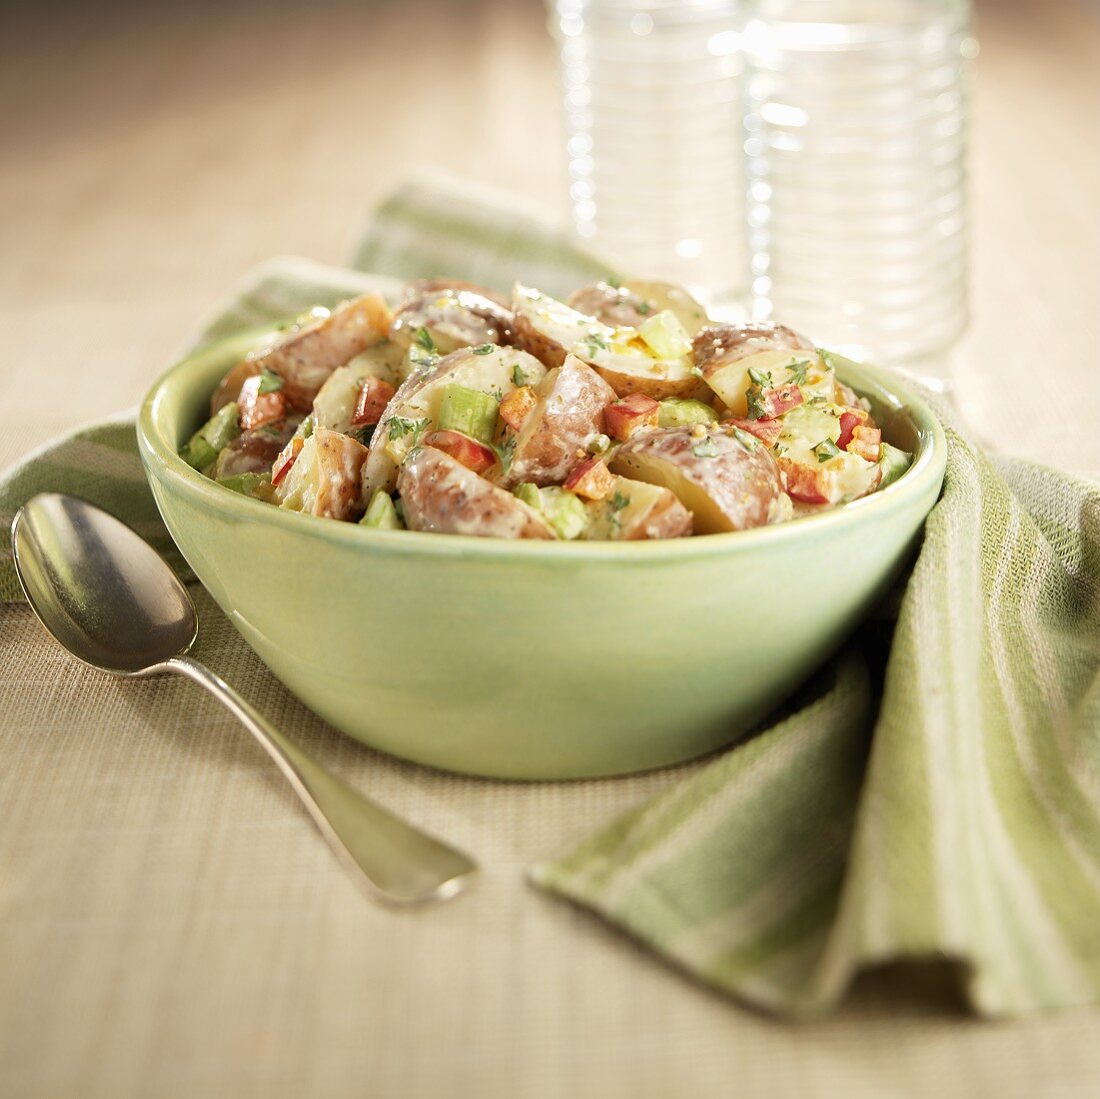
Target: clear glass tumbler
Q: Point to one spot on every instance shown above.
(855, 146)
(654, 132)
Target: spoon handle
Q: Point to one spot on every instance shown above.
(401, 864)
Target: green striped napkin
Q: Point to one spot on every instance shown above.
(943, 803)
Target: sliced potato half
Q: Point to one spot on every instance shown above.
(636, 511)
(568, 414)
(441, 495)
(324, 479)
(550, 329)
(725, 483)
(414, 410)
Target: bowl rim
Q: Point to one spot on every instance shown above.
(159, 457)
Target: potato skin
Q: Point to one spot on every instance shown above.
(454, 317)
(633, 302)
(569, 412)
(324, 480)
(723, 483)
(419, 395)
(229, 388)
(527, 337)
(652, 385)
(443, 496)
(721, 344)
(637, 511)
(306, 357)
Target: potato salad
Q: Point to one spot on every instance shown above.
(623, 413)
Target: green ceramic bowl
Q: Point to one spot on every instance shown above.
(537, 660)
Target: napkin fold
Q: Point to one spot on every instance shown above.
(934, 793)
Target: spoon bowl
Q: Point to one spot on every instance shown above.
(112, 601)
(105, 594)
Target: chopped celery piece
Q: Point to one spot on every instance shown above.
(529, 494)
(811, 425)
(246, 483)
(221, 429)
(198, 453)
(893, 462)
(683, 411)
(381, 512)
(218, 432)
(469, 411)
(666, 335)
(562, 509)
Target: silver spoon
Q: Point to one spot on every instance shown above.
(110, 599)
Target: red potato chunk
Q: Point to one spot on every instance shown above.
(725, 484)
(440, 494)
(453, 318)
(254, 451)
(256, 408)
(323, 479)
(637, 511)
(229, 388)
(306, 356)
(374, 395)
(722, 344)
(568, 414)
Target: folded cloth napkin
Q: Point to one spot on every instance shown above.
(946, 807)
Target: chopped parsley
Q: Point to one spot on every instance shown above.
(422, 360)
(826, 450)
(506, 450)
(364, 434)
(398, 428)
(424, 338)
(270, 382)
(754, 399)
(746, 438)
(760, 377)
(798, 371)
(644, 308)
(614, 281)
(483, 349)
(828, 358)
(705, 448)
(595, 342)
(616, 504)
(518, 376)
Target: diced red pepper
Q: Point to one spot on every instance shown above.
(256, 408)
(374, 395)
(866, 442)
(591, 479)
(517, 406)
(287, 457)
(850, 419)
(803, 482)
(767, 431)
(472, 454)
(781, 399)
(630, 415)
